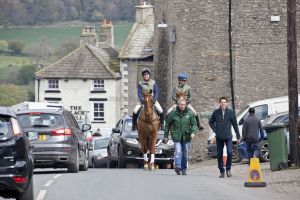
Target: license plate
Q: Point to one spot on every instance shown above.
(158, 151)
(42, 137)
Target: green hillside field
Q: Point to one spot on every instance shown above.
(55, 35)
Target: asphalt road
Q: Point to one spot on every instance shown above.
(137, 184)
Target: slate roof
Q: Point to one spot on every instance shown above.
(138, 40)
(85, 62)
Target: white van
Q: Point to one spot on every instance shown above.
(263, 108)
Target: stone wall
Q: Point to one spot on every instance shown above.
(201, 49)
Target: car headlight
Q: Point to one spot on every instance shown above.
(170, 142)
(132, 140)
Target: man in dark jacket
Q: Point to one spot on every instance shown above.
(184, 127)
(252, 128)
(220, 122)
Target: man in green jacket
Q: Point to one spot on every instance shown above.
(184, 127)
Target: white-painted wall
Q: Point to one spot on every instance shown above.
(75, 95)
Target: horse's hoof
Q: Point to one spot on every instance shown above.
(146, 167)
(151, 167)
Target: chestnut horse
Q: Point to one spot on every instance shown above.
(147, 127)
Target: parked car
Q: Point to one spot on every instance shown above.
(16, 162)
(58, 141)
(263, 108)
(98, 152)
(124, 147)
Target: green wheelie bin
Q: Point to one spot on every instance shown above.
(277, 144)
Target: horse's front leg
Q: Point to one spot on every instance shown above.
(144, 151)
(152, 152)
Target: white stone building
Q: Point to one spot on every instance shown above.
(86, 81)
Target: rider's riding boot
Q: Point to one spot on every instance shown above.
(198, 123)
(161, 119)
(134, 118)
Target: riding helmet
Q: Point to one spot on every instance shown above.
(182, 77)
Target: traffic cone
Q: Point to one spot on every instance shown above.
(224, 155)
(255, 175)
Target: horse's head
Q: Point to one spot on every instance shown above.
(181, 95)
(148, 102)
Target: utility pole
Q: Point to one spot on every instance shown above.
(292, 81)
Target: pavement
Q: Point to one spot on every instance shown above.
(284, 181)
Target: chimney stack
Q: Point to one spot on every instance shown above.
(143, 11)
(89, 36)
(107, 33)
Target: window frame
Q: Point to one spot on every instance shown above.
(54, 84)
(100, 86)
(98, 119)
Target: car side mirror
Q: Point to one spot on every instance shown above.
(86, 127)
(116, 130)
(241, 121)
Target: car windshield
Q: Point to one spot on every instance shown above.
(30, 120)
(101, 144)
(128, 125)
(5, 127)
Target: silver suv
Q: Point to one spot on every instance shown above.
(57, 139)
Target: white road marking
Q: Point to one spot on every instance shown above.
(48, 183)
(58, 175)
(41, 195)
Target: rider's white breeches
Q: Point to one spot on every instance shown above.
(189, 106)
(156, 105)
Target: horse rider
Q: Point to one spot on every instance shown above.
(184, 89)
(147, 85)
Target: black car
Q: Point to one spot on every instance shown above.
(57, 139)
(124, 147)
(16, 162)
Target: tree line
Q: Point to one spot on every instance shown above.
(35, 12)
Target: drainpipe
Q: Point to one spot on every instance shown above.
(230, 57)
(38, 90)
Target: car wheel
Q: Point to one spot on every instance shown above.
(28, 194)
(121, 162)
(109, 162)
(235, 154)
(264, 151)
(85, 165)
(74, 167)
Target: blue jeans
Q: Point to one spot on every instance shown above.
(252, 149)
(220, 146)
(181, 154)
